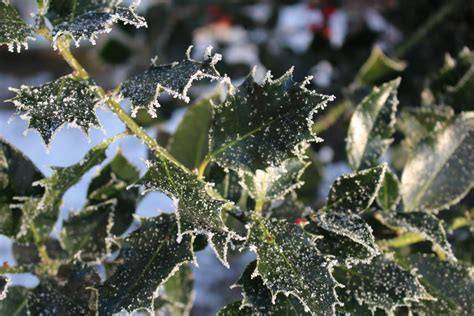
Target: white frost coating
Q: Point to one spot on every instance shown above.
(4, 292)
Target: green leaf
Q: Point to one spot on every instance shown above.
(175, 79)
(86, 19)
(388, 196)
(235, 309)
(346, 236)
(189, 144)
(378, 66)
(258, 298)
(355, 192)
(422, 122)
(381, 284)
(426, 224)
(275, 182)
(4, 284)
(67, 100)
(70, 293)
(290, 209)
(179, 292)
(454, 84)
(372, 126)
(15, 302)
(198, 210)
(14, 32)
(440, 172)
(289, 263)
(262, 125)
(17, 173)
(450, 283)
(42, 212)
(108, 212)
(147, 259)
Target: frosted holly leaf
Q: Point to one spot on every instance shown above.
(69, 293)
(257, 298)
(17, 173)
(346, 236)
(4, 284)
(235, 309)
(290, 209)
(388, 196)
(15, 301)
(43, 211)
(14, 32)
(65, 101)
(372, 126)
(263, 124)
(289, 263)
(178, 293)
(86, 19)
(381, 284)
(440, 171)
(198, 210)
(451, 284)
(275, 182)
(175, 79)
(147, 259)
(355, 192)
(189, 144)
(426, 224)
(108, 212)
(422, 122)
(454, 84)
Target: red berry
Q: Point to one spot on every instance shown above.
(300, 221)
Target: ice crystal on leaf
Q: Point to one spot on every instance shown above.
(263, 124)
(198, 210)
(346, 236)
(380, 284)
(289, 263)
(355, 192)
(86, 19)
(175, 79)
(148, 258)
(372, 125)
(440, 170)
(274, 183)
(426, 224)
(14, 32)
(67, 100)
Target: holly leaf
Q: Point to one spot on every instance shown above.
(42, 212)
(355, 192)
(346, 236)
(14, 303)
(147, 259)
(275, 182)
(70, 293)
(263, 124)
(372, 126)
(235, 309)
(65, 101)
(14, 32)
(289, 263)
(388, 196)
(454, 84)
(426, 224)
(381, 284)
(198, 209)
(108, 211)
(4, 283)
(258, 299)
(86, 19)
(422, 122)
(17, 173)
(175, 79)
(189, 144)
(452, 285)
(440, 172)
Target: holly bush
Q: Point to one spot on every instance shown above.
(234, 169)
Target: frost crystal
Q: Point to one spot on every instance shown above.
(175, 79)
(66, 100)
(261, 125)
(14, 32)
